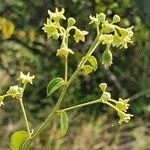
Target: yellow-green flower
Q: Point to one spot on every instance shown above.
(26, 78)
(125, 38)
(106, 38)
(124, 117)
(122, 105)
(80, 35)
(64, 51)
(93, 19)
(15, 91)
(50, 29)
(57, 15)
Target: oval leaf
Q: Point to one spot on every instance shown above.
(17, 139)
(87, 69)
(92, 60)
(54, 85)
(63, 123)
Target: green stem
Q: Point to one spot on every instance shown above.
(81, 105)
(112, 106)
(51, 115)
(66, 68)
(25, 117)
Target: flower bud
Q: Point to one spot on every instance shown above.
(103, 86)
(116, 19)
(101, 17)
(71, 22)
(55, 36)
(107, 58)
(105, 97)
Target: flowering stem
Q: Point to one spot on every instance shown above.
(81, 105)
(25, 117)
(27, 143)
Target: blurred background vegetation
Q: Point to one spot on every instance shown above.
(28, 50)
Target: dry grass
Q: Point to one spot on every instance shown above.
(84, 134)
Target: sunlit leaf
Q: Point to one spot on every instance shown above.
(63, 123)
(92, 60)
(17, 139)
(87, 69)
(54, 84)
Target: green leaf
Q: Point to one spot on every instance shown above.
(17, 139)
(87, 69)
(92, 60)
(63, 122)
(54, 84)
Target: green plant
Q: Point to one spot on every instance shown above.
(108, 34)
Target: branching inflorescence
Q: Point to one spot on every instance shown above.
(108, 34)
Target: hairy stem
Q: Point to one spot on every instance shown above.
(81, 105)
(25, 117)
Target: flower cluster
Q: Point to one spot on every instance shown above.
(121, 106)
(17, 91)
(54, 29)
(111, 34)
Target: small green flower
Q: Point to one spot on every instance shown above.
(103, 86)
(80, 35)
(106, 38)
(122, 105)
(15, 91)
(124, 117)
(50, 29)
(57, 15)
(108, 28)
(64, 51)
(105, 97)
(93, 19)
(125, 38)
(26, 78)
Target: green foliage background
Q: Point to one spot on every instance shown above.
(30, 51)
